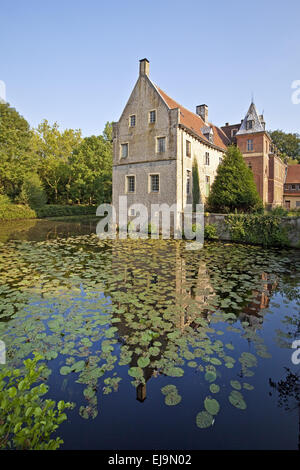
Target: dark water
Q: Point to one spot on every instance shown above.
(158, 346)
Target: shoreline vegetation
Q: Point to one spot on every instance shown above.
(10, 211)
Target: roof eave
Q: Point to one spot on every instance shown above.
(202, 139)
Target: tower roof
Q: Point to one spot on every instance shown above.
(256, 126)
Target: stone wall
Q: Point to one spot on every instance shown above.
(292, 224)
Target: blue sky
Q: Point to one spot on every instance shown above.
(76, 62)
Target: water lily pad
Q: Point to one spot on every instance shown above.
(64, 370)
(169, 389)
(247, 386)
(237, 400)
(172, 399)
(211, 405)
(143, 362)
(204, 420)
(214, 388)
(235, 384)
(210, 376)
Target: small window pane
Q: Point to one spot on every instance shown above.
(206, 158)
(188, 148)
(155, 183)
(207, 185)
(152, 116)
(124, 150)
(188, 182)
(131, 184)
(249, 144)
(132, 120)
(161, 144)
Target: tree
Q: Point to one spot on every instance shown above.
(234, 186)
(54, 150)
(16, 160)
(91, 166)
(196, 185)
(33, 192)
(287, 143)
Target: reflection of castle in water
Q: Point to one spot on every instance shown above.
(190, 290)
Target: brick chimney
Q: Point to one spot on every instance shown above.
(144, 67)
(202, 111)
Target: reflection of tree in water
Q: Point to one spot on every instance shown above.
(288, 391)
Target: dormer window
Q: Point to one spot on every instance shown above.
(249, 124)
(208, 133)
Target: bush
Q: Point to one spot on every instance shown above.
(280, 211)
(10, 211)
(27, 421)
(52, 210)
(33, 193)
(265, 230)
(210, 232)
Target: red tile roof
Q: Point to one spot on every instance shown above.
(195, 123)
(293, 174)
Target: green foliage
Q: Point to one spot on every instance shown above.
(91, 170)
(52, 210)
(16, 160)
(287, 143)
(234, 186)
(53, 149)
(33, 193)
(280, 211)
(210, 232)
(266, 230)
(10, 211)
(27, 421)
(196, 184)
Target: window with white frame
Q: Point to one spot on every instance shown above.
(132, 120)
(206, 158)
(154, 183)
(152, 116)
(249, 145)
(188, 148)
(249, 124)
(297, 203)
(161, 144)
(124, 150)
(207, 185)
(130, 184)
(188, 182)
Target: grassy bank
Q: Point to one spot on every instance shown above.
(51, 210)
(10, 211)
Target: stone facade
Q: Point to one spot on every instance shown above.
(151, 115)
(156, 141)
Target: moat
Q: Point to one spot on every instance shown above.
(159, 347)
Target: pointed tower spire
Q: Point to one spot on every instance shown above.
(252, 122)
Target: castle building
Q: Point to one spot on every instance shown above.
(291, 193)
(156, 141)
(260, 154)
